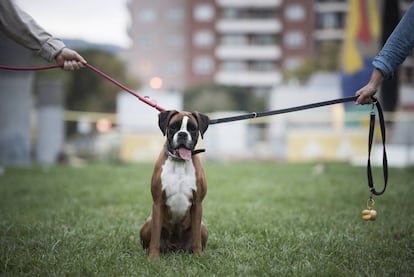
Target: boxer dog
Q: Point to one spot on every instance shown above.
(178, 186)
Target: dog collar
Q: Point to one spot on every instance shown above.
(176, 157)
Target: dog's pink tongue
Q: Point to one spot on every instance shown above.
(185, 154)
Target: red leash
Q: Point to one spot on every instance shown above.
(146, 100)
(29, 68)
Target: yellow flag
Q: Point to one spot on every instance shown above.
(352, 60)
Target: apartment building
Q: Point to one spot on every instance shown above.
(249, 43)
(246, 49)
(158, 29)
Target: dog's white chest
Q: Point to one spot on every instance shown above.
(178, 181)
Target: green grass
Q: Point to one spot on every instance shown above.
(264, 219)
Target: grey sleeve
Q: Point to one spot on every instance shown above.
(23, 29)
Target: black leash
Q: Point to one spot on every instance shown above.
(384, 152)
(288, 110)
(327, 103)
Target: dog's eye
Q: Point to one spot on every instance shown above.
(175, 126)
(192, 127)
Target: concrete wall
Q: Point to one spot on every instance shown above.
(50, 121)
(15, 104)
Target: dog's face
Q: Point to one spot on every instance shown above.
(182, 130)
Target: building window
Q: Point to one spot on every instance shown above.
(294, 40)
(295, 12)
(145, 41)
(175, 15)
(231, 13)
(175, 40)
(203, 12)
(261, 13)
(234, 40)
(263, 40)
(203, 65)
(175, 67)
(234, 66)
(203, 39)
(147, 15)
(263, 66)
(330, 21)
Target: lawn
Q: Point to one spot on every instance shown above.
(264, 219)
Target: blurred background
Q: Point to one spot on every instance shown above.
(220, 57)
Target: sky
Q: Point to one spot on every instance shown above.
(91, 20)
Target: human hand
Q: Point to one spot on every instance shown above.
(365, 95)
(70, 59)
(366, 92)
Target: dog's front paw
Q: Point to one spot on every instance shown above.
(154, 255)
(197, 250)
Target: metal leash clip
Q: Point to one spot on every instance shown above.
(373, 104)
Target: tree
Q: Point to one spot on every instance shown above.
(87, 91)
(210, 97)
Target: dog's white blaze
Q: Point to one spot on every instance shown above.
(184, 123)
(183, 128)
(178, 181)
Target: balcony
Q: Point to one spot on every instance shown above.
(249, 3)
(248, 78)
(330, 7)
(252, 26)
(248, 52)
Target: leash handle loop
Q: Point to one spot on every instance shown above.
(371, 184)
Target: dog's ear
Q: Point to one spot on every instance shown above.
(203, 122)
(163, 119)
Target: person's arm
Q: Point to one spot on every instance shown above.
(23, 29)
(398, 45)
(395, 50)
